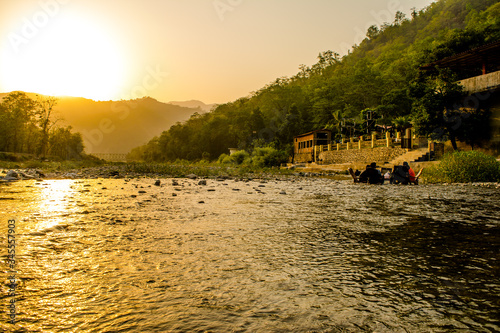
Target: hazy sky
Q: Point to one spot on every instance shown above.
(212, 50)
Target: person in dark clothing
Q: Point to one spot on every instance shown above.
(401, 174)
(371, 175)
(363, 177)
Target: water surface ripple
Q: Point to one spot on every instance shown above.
(232, 256)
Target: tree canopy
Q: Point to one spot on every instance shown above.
(29, 126)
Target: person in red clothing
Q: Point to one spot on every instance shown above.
(411, 174)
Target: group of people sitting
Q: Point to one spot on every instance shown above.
(403, 175)
(400, 175)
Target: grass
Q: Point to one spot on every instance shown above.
(201, 169)
(52, 165)
(464, 167)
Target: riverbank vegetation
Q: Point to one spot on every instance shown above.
(378, 83)
(464, 167)
(29, 126)
(28, 162)
(176, 169)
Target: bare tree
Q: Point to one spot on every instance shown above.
(45, 112)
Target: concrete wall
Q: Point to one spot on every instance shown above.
(365, 155)
(481, 83)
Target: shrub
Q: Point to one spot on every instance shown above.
(239, 156)
(8, 157)
(224, 159)
(464, 167)
(267, 157)
(235, 158)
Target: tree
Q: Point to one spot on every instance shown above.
(27, 126)
(372, 32)
(44, 112)
(401, 124)
(435, 111)
(399, 18)
(18, 114)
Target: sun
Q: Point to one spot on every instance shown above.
(71, 56)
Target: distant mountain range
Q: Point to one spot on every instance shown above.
(119, 126)
(194, 104)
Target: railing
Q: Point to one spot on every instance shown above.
(481, 82)
(356, 143)
(374, 143)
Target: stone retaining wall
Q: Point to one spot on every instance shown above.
(366, 155)
(302, 158)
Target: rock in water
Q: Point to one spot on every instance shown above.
(114, 173)
(12, 174)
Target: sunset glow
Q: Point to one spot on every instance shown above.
(71, 57)
(213, 51)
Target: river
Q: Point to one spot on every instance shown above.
(300, 255)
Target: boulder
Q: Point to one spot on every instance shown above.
(12, 174)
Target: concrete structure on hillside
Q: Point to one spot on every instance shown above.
(478, 71)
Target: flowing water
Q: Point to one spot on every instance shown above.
(305, 255)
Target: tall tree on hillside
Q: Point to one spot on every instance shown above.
(44, 112)
(436, 109)
(19, 111)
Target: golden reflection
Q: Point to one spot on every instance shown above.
(53, 203)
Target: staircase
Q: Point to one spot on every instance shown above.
(417, 155)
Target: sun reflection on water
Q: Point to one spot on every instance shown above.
(53, 205)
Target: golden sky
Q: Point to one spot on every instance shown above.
(173, 50)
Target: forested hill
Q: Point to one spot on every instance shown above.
(118, 126)
(337, 93)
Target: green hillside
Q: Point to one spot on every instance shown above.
(378, 77)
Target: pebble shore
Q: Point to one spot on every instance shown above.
(107, 172)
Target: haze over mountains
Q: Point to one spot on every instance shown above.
(119, 126)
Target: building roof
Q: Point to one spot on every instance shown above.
(488, 54)
(315, 131)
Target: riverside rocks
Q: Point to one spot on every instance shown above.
(113, 171)
(12, 175)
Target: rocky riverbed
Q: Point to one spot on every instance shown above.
(296, 254)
